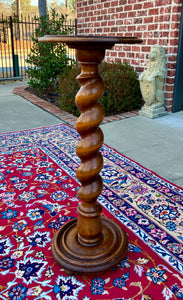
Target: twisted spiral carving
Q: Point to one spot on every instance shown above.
(89, 224)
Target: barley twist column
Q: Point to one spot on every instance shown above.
(91, 243)
(89, 223)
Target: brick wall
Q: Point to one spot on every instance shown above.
(155, 21)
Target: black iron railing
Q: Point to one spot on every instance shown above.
(16, 42)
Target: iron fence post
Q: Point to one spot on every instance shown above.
(75, 26)
(12, 47)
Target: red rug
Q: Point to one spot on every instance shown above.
(38, 194)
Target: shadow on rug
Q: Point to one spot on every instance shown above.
(38, 195)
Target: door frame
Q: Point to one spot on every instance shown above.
(177, 104)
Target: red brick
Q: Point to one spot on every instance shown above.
(111, 10)
(106, 17)
(122, 28)
(132, 14)
(169, 95)
(174, 42)
(121, 54)
(141, 13)
(175, 26)
(176, 17)
(163, 42)
(171, 73)
(131, 54)
(169, 88)
(114, 29)
(127, 61)
(126, 48)
(119, 22)
(153, 11)
(137, 6)
(152, 41)
(165, 10)
(141, 27)
(128, 7)
(164, 18)
(96, 24)
(138, 21)
(156, 19)
(177, 9)
(119, 8)
(100, 18)
(106, 4)
(99, 7)
(122, 2)
(139, 35)
(114, 17)
(128, 21)
(90, 13)
(139, 69)
(174, 34)
(172, 50)
(103, 11)
(103, 24)
(131, 28)
(114, 3)
(164, 26)
(135, 62)
(152, 26)
(148, 5)
(114, 54)
(171, 66)
(140, 55)
(106, 29)
(135, 48)
(169, 101)
(111, 23)
(162, 2)
(170, 80)
(123, 15)
(148, 20)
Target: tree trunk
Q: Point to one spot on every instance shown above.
(42, 5)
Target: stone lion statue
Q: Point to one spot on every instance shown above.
(152, 79)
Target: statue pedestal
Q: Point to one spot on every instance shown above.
(91, 243)
(153, 112)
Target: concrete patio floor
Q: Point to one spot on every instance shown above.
(155, 144)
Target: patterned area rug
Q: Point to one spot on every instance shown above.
(38, 194)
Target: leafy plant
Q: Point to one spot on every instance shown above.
(48, 59)
(68, 87)
(122, 91)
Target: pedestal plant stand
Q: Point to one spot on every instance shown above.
(91, 243)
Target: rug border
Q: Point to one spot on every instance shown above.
(113, 149)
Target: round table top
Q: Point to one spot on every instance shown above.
(91, 42)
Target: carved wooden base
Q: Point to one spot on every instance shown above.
(75, 258)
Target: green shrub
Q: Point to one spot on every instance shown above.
(48, 59)
(68, 87)
(122, 90)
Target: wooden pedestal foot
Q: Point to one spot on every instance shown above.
(75, 258)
